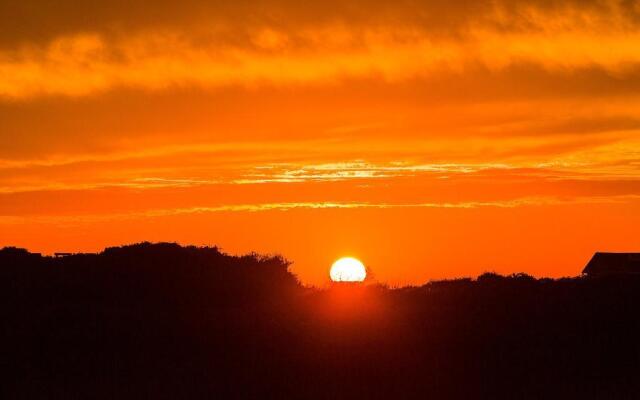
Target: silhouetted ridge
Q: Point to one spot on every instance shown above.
(164, 321)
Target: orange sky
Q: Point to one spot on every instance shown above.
(429, 139)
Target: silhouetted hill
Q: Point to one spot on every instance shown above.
(165, 321)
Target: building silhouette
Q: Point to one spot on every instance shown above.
(602, 264)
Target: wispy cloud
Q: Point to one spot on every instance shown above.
(611, 161)
(356, 170)
(71, 220)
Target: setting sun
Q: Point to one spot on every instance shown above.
(177, 176)
(348, 269)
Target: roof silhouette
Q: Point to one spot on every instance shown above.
(613, 263)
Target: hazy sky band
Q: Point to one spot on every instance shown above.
(118, 110)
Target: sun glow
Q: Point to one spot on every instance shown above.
(348, 269)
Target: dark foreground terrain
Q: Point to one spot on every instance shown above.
(160, 321)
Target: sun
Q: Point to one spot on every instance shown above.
(348, 269)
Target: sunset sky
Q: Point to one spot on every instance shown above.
(429, 139)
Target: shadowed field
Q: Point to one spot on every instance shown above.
(163, 321)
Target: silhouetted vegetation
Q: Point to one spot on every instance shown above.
(163, 321)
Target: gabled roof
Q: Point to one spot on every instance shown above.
(613, 263)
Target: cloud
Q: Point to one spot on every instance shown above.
(106, 97)
(74, 220)
(602, 156)
(41, 19)
(84, 62)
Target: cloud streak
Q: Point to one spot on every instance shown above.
(81, 64)
(70, 220)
